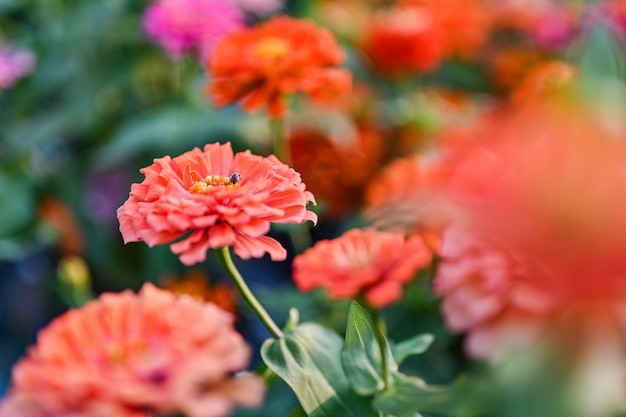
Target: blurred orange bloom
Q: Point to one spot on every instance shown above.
(367, 262)
(400, 199)
(544, 81)
(260, 66)
(135, 355)
(337, 173)
(467, 24)
(221, 198)
(509, 66)
(402, 41)
(536, 248)
(198, 285)
(55, 213)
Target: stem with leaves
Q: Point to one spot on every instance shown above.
(223, 255)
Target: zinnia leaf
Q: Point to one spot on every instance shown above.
(361, 356)
(307, 358)
(413, 346)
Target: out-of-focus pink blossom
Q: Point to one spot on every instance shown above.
(536, 250)
(190, 25)
(553, 28)
(14, 64)
(135, 355)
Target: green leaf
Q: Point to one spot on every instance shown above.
(467, 397)
(413, 346)
(361, 357)
(601, 56)
(407, 396)
(307, 358)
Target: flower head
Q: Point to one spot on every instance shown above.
(366, 262)
(14, 64)
(402, 41)
(190, 25)
(135, 355)
(536, 248)
(259, 66)
(337, 171)
(213, 199)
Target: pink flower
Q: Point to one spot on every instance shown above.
(135, 355)
(536, 251)
(362, 262)
(190, 25)
(220, 199)
(14, 64)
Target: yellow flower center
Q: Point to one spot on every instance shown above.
(203, 186)
(272, 47)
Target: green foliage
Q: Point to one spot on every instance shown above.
(361, 354)
(307, 358)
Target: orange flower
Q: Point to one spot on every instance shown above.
(366, 262)
(336, 172)
(543, 81)
(536, 249)
(55, 213)
(221, 199)
(259, 66)
(467, 24)
(129, 355)
(197, 284)
(400, 199)
(401, 41)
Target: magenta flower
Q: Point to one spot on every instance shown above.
(182, 26)
(14, 64)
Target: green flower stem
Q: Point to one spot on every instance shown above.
(279, 141)
(381, 336)
(223, 255)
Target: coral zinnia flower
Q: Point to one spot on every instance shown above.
(402, 41)
(220, 199)
(365, 262)
(259, 66)
(190, 25)
(537, 247)
(129, 355)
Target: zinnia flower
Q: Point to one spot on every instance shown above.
(365, 262)
(337, 171)
(536, 248)
(218, 199)
(400, 199)
(260, 66)
(135, 355)
(402, 41)
(466, 24)
(190, 25)
(14, 64)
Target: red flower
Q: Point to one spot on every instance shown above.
(223, 200)
(259, 66)
(362, 262)
(402, 41)
(135, 355)
(466, 24)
